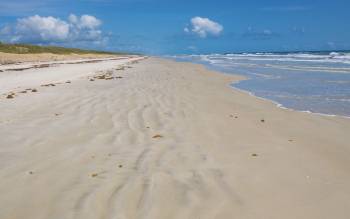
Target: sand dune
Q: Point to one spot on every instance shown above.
(165, 140)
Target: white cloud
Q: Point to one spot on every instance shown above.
(41, 28)
(72, 18)
(48, 30)
(90, 22)
(204, 27)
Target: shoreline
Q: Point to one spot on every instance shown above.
(279, 105)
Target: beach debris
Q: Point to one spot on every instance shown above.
(23, 92)
(236, 117)
(34, 90)
(42, 66)
(100, 77)
(91, 79)
(57, 114)
(262, 120)
(106, 76)
(254, 155)
(18, 69)
(147, 127)
(68, 82)
(26, 68)
(157, 136)
(10, 96)
(94, 174)
(31, 172)
(120, 166)
(290, 140)
(48, 85)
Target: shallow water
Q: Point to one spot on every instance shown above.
(315, 82)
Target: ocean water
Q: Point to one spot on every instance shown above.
(317, 82)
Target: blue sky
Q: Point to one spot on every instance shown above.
(179, 26)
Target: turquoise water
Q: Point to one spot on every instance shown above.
(314, 82)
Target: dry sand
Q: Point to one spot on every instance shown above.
(167, 140)
(10, 58)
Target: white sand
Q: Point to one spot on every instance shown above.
(61, 71)
(61, 150)
(12, 58)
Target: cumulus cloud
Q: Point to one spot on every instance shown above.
(85, 21)
(47, 30)
(204, 27)
(41, 28)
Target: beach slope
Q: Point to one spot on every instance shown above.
(161, 139)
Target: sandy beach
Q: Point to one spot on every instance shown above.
(11, 58)
(153, 138)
